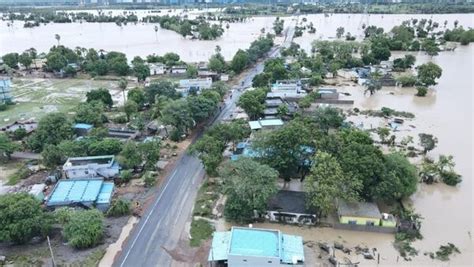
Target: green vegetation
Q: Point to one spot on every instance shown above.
(409, 234)
(205, 199)
(119, 207)
(84, 229)
(22, 218)
(7, 147)
(444, 252)
(388, 112)
(52, 129)
(200, 230)
(248, 185)
(278, 25)
(186, 27)
(443, 170)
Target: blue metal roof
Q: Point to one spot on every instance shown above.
(291, 249)
(75, 191)
(105, 193)
(83, 126)
(254, 242)
(220, 246)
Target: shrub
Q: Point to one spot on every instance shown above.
(149, 179)
(19, 134)
(125, 176)
(22, 218)
(20, 174)
(63, 215)
(407, 80)
(3, 107)
(451, 178)
(421, 91)
(119, 207)
(120, 119)
(84, 229)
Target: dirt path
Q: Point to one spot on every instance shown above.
(116, 247)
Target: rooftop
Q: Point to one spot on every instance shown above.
(83, 126)
(359, 209)
(257, 243)
(254, 242)
(255, 125)
(78, 161)
(75, 191)
(288, 201)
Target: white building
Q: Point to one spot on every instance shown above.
(91, 167)
(157, 68)
(178, 69)
(196, 85)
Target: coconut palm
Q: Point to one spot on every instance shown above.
(123, 85)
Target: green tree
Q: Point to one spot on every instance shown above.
(90, 112)
(52, 129)
(52, 156)
(150, 152)
(122, 84)
(106, 146)
(421, 91)
(428, 142)
(202, 106)
(137, 95)
(84, 229)
(278, 26)
(22, 218)
(340, 32)
(56, 61)
(130, 108)
(428, 73)
(103, 95)
(185, 28)
(248, 185)
(430, 47)
(328, 118)
(383, 134)
(130, 155)
(119, 207)
(239, 61)
(178, 114)
(25, 59)
(7, 146)
(191, 71)
(11, 60)
(209, 150)
(399, 181)
(252, 102)
(284, 149)
(162, 88)
(326, 183)
(217, 63)
(141, 71)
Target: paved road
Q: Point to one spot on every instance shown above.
(164, 221)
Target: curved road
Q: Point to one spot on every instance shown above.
(160, 229)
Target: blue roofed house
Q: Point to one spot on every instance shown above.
(242, 247)
(81, 192)
(265, 124)
(82, 129)
(91, 167)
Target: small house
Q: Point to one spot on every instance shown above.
(37, 190)
(388, 80)
(28, 125)
(208, 74)
(187, 86)
(5, 90)
(224, 77)
(81, 192)
(265, 124)
(347, 74)
(122, 133)
(290, 207)
(178, 70)
(82, 129)
(91, 167)
(386, 64)
(327, 93)
(359, 213)
(157, 68)
(255, 247)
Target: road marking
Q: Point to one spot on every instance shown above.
(147, 218)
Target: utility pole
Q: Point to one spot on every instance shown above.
(51, 251)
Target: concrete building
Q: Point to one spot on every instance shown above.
(178, 70)
(364, 216)
(81, 192)
(265, 124)
(245, 247)
(124, 134)
(187, 86)
(157, 68)
(91, 167)
(289, 207)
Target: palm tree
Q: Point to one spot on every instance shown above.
(156, 31)
(373, 84)
(123, 83)
(57, 37)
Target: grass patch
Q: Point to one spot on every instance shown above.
(205, 199)
(92, 259)
(200, 230)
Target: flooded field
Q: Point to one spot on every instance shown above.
(134, 40)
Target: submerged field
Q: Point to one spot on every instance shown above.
(36, 97)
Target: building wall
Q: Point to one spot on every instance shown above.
(252, 261)
(88, 172)
(275, 216)
(358, 220)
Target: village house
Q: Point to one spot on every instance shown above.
(289, 207)
(28, 125)
(124, 134)
(82, 129)
(327, 93)
(178, 70)
(81, 192)
(187, 86)
(91, 167)
(364, 216)
(157, 68)
(265, 124)
(244, 247)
